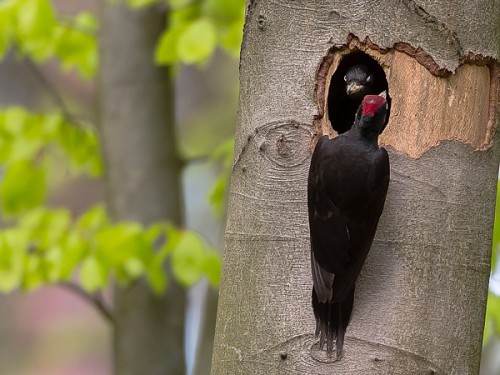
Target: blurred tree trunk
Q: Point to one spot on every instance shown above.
(142, 170)
(420, 300)
(206, 338)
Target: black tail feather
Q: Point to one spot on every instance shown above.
(332, 320)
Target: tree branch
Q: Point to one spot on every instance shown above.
(53, 92)
(95, 299)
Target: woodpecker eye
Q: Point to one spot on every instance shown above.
(345, 78)
(369, 79)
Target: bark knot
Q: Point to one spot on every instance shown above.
(281, 142)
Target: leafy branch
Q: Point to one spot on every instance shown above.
(53, 92)
(96, 299)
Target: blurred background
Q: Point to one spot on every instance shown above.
(48, 71)
(45, 327)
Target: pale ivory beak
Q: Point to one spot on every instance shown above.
(353, 88)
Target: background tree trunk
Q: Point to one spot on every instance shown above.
(206, 337)
(142, 170)
(420, 300)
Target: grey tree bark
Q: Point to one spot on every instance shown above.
(420, 300)
(143, 180)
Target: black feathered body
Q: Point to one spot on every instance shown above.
(347, 186)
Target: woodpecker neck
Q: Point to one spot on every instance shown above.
(366, 128)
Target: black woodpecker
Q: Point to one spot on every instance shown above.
(347, 186)
(359, 81)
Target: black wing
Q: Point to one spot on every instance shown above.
(346, 195)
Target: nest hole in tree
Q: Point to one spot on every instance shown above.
(341, 111)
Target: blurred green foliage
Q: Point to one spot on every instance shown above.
(196, 28)
(224, 156)
(39, 245)
(46, 246)
(33, 29)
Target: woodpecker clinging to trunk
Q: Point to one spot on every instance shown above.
(347, 186)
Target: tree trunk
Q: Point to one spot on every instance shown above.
(143, 176)
(204, 350)
(420, 300)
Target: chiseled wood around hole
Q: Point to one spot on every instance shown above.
(426, 109)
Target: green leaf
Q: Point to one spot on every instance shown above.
(35, 26)
(82, 146)
(118, 243)
(93, 219)
(177, 4)
(493, 311)
(140, 3)
(154, 233)
(224, 152)
(7, 17)
(5, 35)
(74, 251)
(47, 232)
(134, 267)
(15, 119)
(77, 50)
(86, 22)
(156, 277)
(13, 246)
(23, 188)
(187, 258)
(185, 14)
(22, 134)
(155, 272)
(51, 125)
(46, 228)
(218, 194)
(233, 38)
(56, 225)
(35, 18)
(121, 247)
(166, 49)
(93, 275)
(33, 272)
(172, 238)
(197, 42)
(212, 267)
(32, 219)
(224, 10)
(52, 264)
(496, 231)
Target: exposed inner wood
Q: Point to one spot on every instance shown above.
(426, 109)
